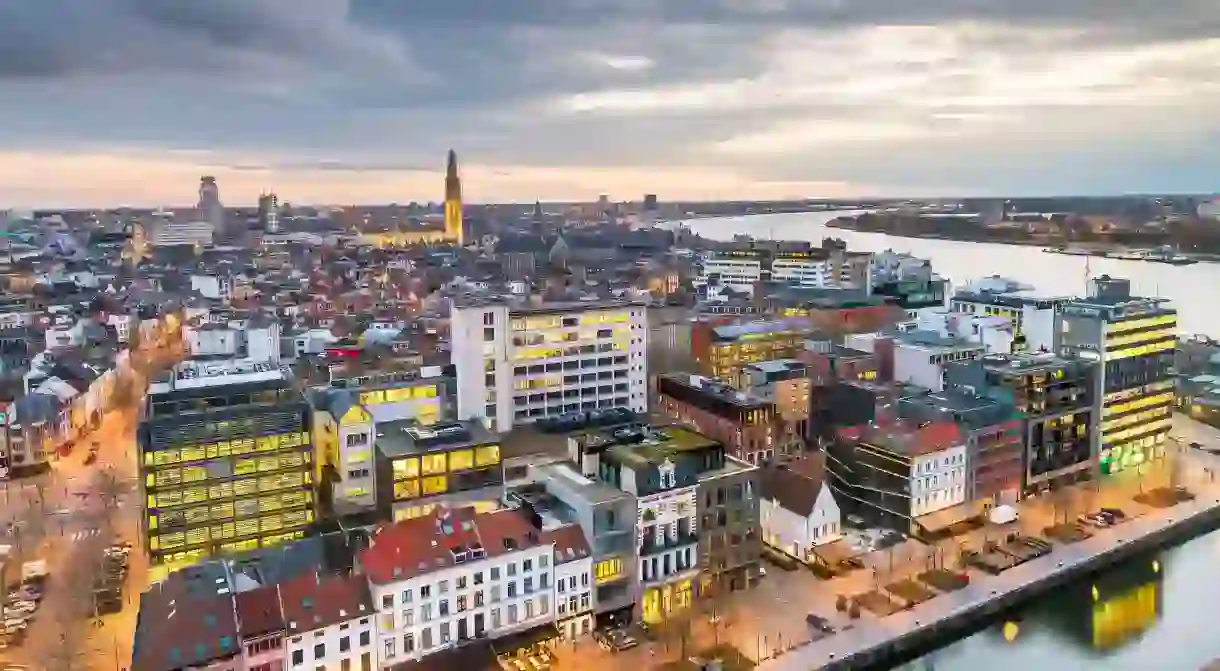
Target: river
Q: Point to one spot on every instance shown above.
(1152, 613)
(962, 262)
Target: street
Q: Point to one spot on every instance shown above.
(59, 513)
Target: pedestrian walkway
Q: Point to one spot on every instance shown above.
(874, 634)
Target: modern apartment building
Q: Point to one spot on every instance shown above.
(787, 384)
(908, 476)
(420, 469)
(1034, 318)
(343, 432)
(1132, 339)
(606, 515)
(811, 268)
(516, 364)
(720, 351)
(1057, 397)
(226, 459)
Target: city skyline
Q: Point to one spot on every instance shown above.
(129, 101)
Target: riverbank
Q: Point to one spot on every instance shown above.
(1097, 250)
(946, 617)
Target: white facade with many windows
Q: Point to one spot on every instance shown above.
(575, 595)
(516, 365)
(478, 597)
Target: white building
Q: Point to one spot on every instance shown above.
(667, 531)
(938, 480)
(738, 273)
(797, 512)
(217, 287)
(256, 339)
(518, 364)
(920, 357)
(993, 332)
(817, 268)
(575, 585)
(1033, 317)
(169, 233)
(450, 577)
(328, 624)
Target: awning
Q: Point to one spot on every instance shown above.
(477, 656)
(507, 645)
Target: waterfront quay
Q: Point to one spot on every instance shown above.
(877, 641)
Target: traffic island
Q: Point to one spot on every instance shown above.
(910, 591)
(945, 580)
(1066, 533)
(1164, 497)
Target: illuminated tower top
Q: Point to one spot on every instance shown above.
(453, 183)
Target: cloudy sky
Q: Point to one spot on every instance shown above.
(104, 102)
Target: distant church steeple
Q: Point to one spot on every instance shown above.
(453, 201)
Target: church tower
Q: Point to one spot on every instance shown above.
(453, 202)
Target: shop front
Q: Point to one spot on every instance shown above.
(665, 600)
(529, 650)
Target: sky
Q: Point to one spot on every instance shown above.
(127, 102)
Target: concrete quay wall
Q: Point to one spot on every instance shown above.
(878, 641)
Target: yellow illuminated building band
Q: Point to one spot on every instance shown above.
(231, 495)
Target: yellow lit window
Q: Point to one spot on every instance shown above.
(359, 457)
(396, 395)
(245, 487)
(432, 463)
(373, 397)
(354, 492)
(195, 495)
(194, 453)
(198, 536)
(487, 455)
(406, 468)
(609, 569)
(194, 474)
(247, 527)
(460, 460)
(245, 466)
(223, 531)
(223, 511)
(407, 489)
(424, 392)
(271, 523)
(435, 485)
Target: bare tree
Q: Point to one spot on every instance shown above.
(72, 605)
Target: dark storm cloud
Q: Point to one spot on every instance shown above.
(80, 38)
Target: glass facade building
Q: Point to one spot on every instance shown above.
(226, 461)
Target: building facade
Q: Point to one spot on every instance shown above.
(518, 364)
(226, 459)
(420, 469)
(1132, 339)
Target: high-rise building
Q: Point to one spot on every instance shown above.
(453, 201)
(209, 206)
(1132, 339)
(517, 364)
(226, 459)
(269, 212)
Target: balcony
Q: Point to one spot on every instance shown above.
(650, 547)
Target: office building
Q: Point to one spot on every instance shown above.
(516, 364)
(226, 459)
(1033, 317)
(420, 469)
(815, 267)
(721, 351)
(269, 213)
(423, 394)
(209, 208)
(1132, 339)
(1057, 397)
(920, 357)
(908, 476)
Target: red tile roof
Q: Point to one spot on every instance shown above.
(422, 545)
(313, 601)
(258, 612)
(570, 543)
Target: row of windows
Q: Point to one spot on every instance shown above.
(560, 321)
(446, 462)
(225, 448)
(228, 510)
(429, 486)
(209, 534)
(227, 490)
(222, 469)
(400, 394)
(1119, 408)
